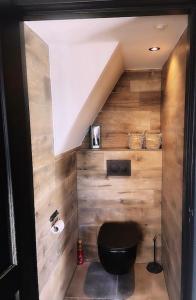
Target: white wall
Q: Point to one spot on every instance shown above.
(82, 77)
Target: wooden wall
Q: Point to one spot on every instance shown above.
(102, 198)
(55, 180)
(172, 120)
(134, 105)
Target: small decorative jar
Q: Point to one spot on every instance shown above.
(135, 141)
(153, 141)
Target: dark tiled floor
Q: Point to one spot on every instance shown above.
(90, 281)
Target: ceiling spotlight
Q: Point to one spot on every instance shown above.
(161, 26)
(154, 49)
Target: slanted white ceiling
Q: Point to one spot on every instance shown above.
(87, 58)
(80, 88)
(134, 34)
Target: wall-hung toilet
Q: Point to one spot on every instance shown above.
(117, 246)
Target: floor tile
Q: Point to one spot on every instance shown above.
(90, 281)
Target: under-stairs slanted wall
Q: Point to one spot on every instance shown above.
(82, 78)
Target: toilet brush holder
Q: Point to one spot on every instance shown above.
(154, 266)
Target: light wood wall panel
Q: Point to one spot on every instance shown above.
(134, 105)
(102, 198)
(172, 121)
(55, 180)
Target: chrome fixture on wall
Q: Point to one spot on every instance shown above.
(95, 136)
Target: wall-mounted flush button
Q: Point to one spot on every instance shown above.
(118, 168)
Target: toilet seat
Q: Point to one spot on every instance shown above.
(116, 236)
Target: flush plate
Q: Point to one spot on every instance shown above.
(118, 168)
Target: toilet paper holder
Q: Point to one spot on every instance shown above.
(57, 225)
(54, 217)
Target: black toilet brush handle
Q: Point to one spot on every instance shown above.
(154, 240)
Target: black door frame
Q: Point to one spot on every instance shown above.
(18, 160)
(17, 113)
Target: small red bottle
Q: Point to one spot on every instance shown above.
(80, 253)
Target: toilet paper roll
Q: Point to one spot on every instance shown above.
(57, 227)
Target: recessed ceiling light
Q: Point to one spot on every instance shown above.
(161, 26)
(154, 49)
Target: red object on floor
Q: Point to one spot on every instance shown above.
(80, 253)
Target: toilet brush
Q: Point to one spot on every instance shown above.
(154, 266)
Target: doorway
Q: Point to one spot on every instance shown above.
(188, 165)
(136, 77)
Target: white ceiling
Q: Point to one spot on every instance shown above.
(135, 36)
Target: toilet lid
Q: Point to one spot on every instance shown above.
(119, 236)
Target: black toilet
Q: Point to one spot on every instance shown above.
(117, 246)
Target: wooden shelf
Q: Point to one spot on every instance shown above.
(117, 149)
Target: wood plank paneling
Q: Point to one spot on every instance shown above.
(102, 198)
(134, 105)
(55, 180)
(172, 116)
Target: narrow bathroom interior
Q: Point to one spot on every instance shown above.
(125, 76)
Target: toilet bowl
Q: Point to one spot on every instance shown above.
(117, 246)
